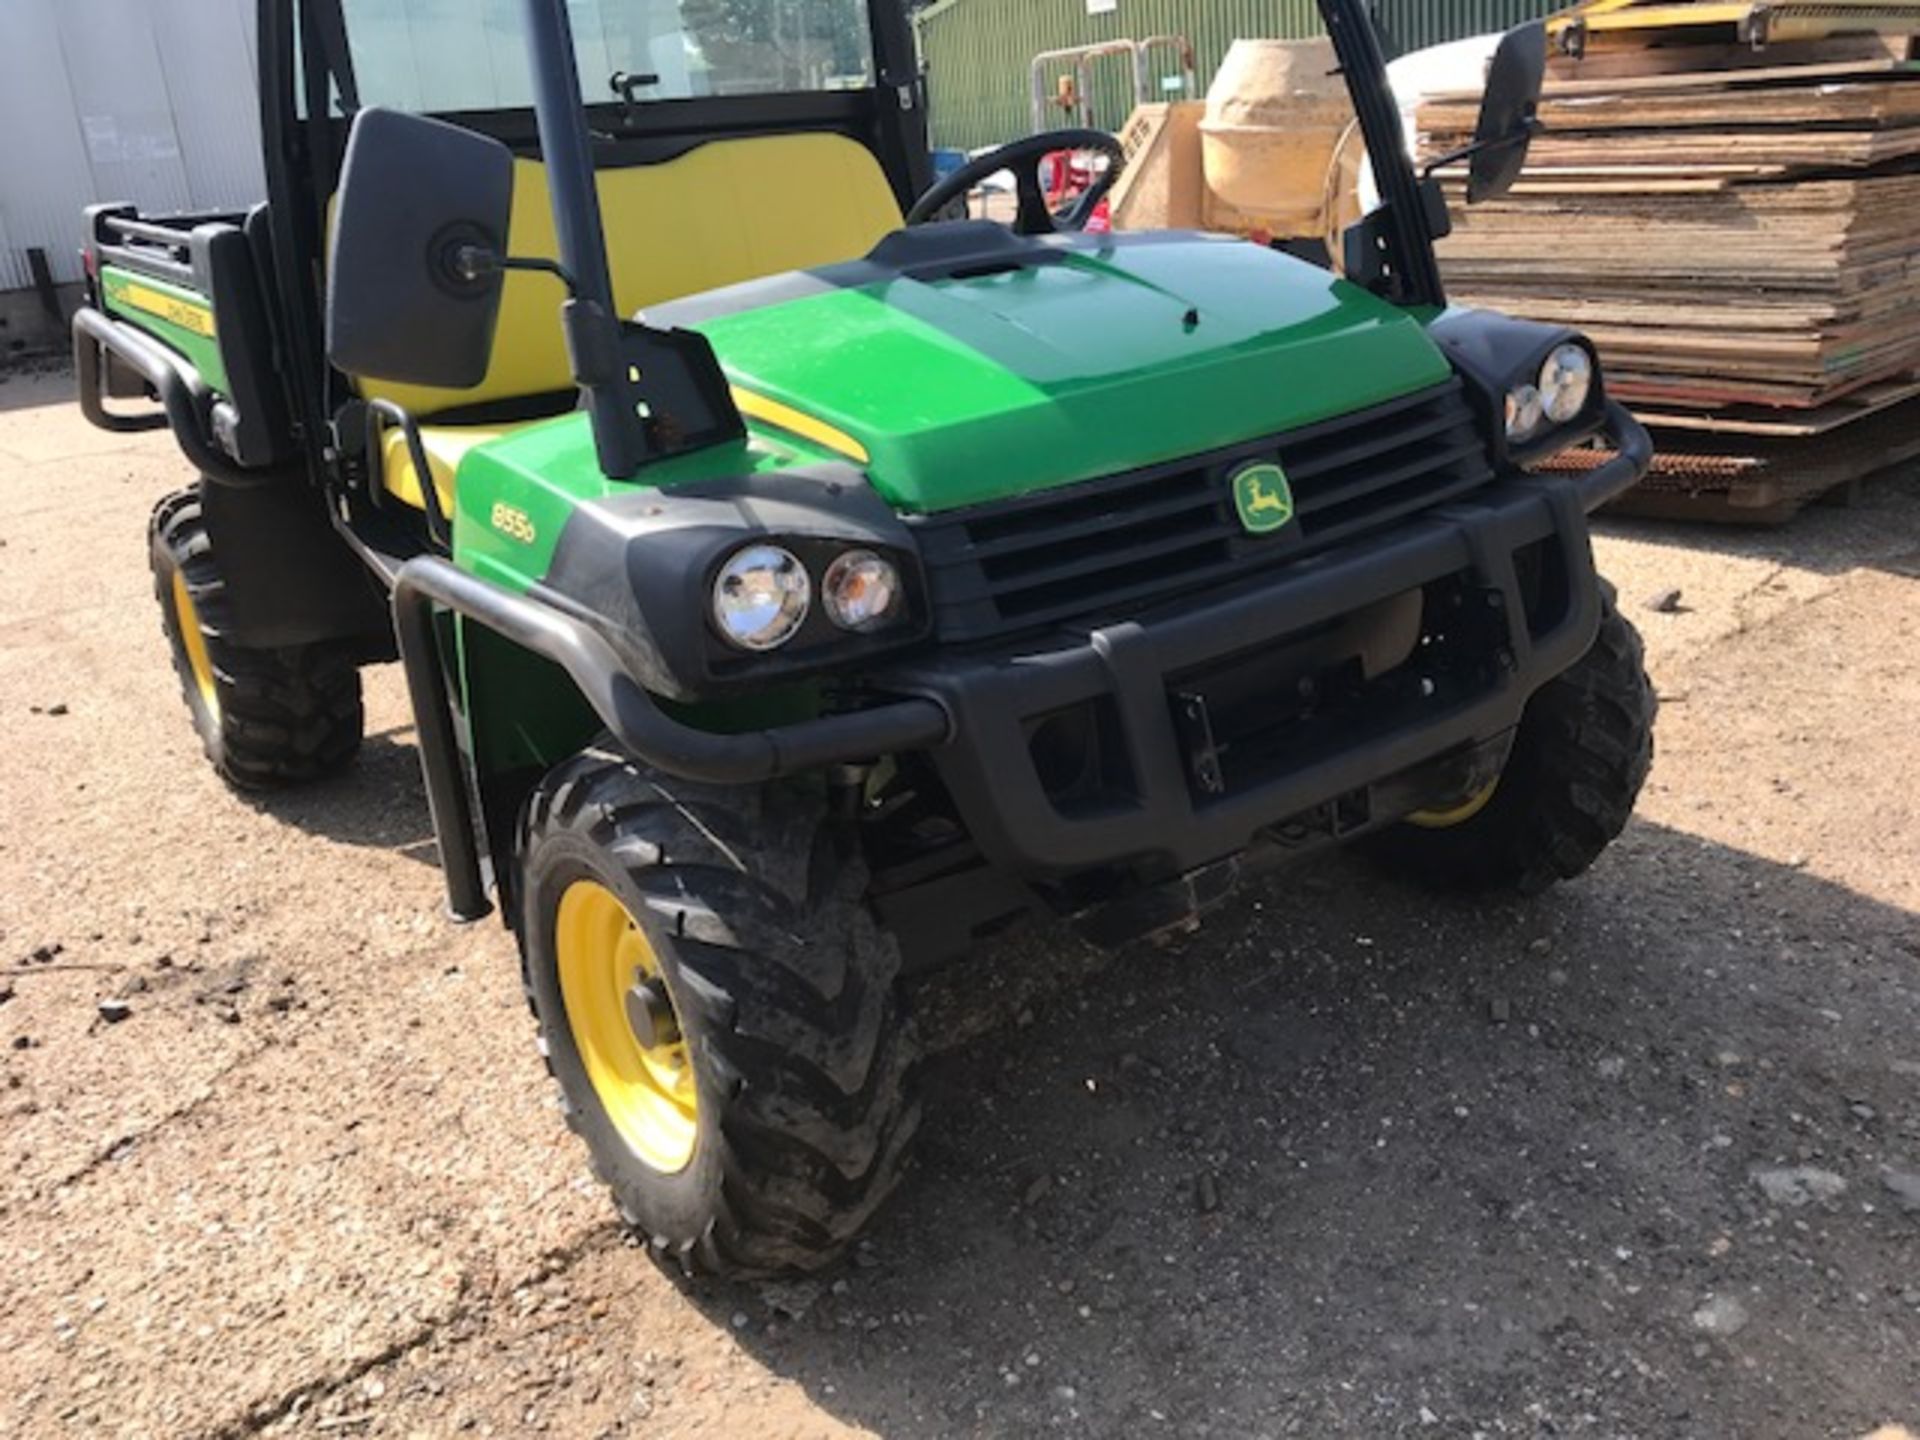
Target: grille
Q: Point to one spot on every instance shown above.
(1102, 547)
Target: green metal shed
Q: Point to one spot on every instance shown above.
(979, 53)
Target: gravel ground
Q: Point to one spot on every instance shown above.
(1639, 1159)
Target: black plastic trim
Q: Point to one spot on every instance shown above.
(1415, 278)
(1633, 448)
(640, 568)
(621, 703)
(1494, 352)
(1132, 666)
(184, 398)
(1142, 535)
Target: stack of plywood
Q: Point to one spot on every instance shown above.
(1741, 241)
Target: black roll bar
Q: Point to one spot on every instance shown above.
(1357, 46)
(623, 705)
(185, 401)
(1633, 456)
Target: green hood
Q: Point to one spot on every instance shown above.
(968, 390)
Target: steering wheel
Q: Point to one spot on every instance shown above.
(1023, 158)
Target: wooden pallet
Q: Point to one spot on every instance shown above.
(1760, 480)
(1730, 240)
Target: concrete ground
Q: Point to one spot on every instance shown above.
(1641, 1158)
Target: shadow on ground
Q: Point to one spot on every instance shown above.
(1826, 539)
(1353, 1161)
(379, 801)
(27, 382)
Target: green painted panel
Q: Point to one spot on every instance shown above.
(512, 496)
(173, 314)
(972, 390)
(966, 391)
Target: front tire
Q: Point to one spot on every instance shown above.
(729, 1038)
(267, 717)
(1581, 753)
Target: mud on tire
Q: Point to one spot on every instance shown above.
(1581, 753)
(266, 717)
(787, 994)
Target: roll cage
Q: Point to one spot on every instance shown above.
(308, 96)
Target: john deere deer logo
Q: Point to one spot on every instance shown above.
(1263, 497)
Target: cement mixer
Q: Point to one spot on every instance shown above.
(1275, 114)
(1273, 153)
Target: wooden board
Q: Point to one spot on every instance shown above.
(1757, 479)
(1742, 244)
(1641, 23)
(1880, 103)
(1628, 66)
(1760, 420)
(1162, 187)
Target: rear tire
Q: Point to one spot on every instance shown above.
(781, 984)
(1581, 753)
(267, 718)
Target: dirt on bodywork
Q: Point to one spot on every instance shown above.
(1639, 1159)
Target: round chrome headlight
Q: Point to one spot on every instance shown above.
(862, 590)
(761, 597)
(1525, 411)
(1566, 382)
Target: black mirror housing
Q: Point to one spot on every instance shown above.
(1508, 114)
(403, 301)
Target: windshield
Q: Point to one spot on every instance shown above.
(444, 55)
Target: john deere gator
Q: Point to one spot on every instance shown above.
(793, 584)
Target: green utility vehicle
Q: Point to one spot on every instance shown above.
(882, 583)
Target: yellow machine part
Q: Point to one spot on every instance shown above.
(728, 211)
(1756, 21)
(446, 447)
(646, 1082)
(193, 641)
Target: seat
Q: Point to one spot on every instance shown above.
(724, 212)
(445, 446)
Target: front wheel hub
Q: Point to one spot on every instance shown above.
(650, 1014)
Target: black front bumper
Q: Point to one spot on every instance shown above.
(972, 712)
(1159, 799)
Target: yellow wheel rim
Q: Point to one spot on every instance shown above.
(193, 641)
(1458, 815)
(625, 1026)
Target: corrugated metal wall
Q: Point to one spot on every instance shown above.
(978, 52)
(149, 101)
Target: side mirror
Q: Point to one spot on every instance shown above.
(420, 202)
(1508, 115)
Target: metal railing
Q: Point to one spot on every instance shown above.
(1079, 103)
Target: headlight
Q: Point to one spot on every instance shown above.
(1525, 410)
(1566, 381)
(761, 597)
(861, 590)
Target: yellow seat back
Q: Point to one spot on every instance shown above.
(727, 211)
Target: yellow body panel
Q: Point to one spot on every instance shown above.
(189, 315)
(729, 211)
(446, 447)
(798, 422)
